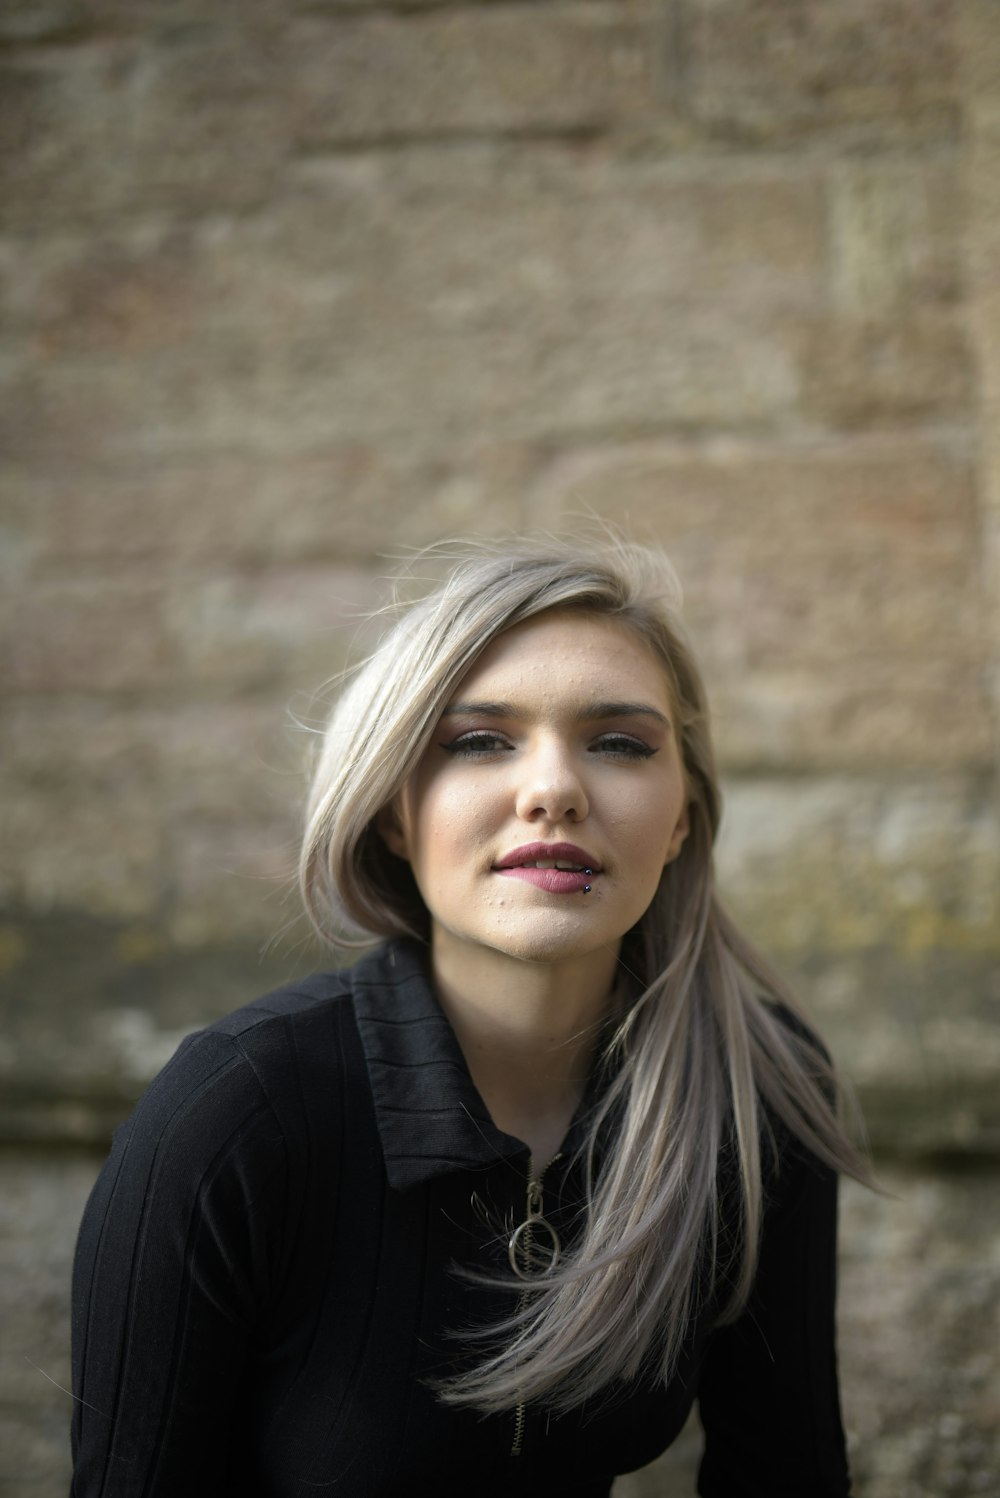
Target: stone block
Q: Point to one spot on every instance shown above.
(40, 1209)
(869, 68)
(832, 864)
(296, 625)
(862, 374)
(880, 899)
(92, 1008)
(981, 182)
(155, 110)
(82, 826)
(91, 291)
(881, 716)
(351, 501)
(101, 853)
(832, 587)
(29, 21)
(467, 70)
(291, 625)
(235, 880)
(153, 804)
(92, 406)
(193, 758)
(61, 132)
(104, 632)
(428, 296)
(893, 223)
(129, 121)
(918, 1318)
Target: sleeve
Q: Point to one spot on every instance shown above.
(171, 1272)
(768, 1391)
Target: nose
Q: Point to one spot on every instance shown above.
(551, 787)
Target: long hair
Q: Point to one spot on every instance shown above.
(707, 1059)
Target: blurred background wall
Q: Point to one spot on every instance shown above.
(291, 287)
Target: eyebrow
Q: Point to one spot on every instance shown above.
(587, 714)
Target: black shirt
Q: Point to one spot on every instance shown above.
(265, 1286)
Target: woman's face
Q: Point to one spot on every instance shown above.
(555, 767)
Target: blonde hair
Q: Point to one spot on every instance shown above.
(705, 1060)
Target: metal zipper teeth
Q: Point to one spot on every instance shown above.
(521, 1408)
(520, 1417)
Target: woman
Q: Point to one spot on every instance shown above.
(488, 1212)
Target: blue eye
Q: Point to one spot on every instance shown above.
(479, 742)
(622, 746)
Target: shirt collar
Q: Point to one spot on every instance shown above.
(431, 1119)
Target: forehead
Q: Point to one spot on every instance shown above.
(564, 650)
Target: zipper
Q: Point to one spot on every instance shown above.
(520, 1416)
(521, 1253)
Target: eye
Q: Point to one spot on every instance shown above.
(477, 744)
(622, 746)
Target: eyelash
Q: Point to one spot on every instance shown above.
(475, 745)
(481, 743)
(625, 746)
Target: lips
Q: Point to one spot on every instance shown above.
(562, 856)
(558, 868)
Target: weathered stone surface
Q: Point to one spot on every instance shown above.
(981, 183)
(835, 864)
(895, 338)
(40, 1205)
(90, 130)
(92, 1010)
(147, 632)
(154, 818)
(352, 501)
(489, 292)
(486, 291)
(188, 96)
(60, 132)
(468, 70)
(103, 853)
(104, 630)
(119, 830)
(774, 71)
(863, 374)
(892, 231)
(919, 1330)
(299, 623)
(880, 901)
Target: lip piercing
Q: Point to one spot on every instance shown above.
(588, 887)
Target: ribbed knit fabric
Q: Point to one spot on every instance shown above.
(265, 1282)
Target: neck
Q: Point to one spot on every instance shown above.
(528, 1031)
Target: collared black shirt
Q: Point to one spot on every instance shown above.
(269, 1282)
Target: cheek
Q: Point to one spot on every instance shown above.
(443, 826)
(653, 826)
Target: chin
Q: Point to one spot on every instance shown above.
(561, 942)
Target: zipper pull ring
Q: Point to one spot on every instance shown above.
(534, 1245)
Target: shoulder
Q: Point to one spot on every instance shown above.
(259, 1072)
